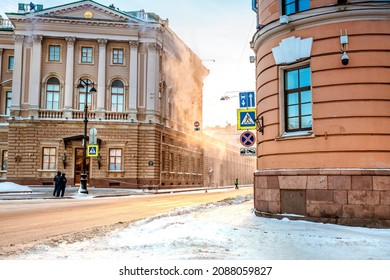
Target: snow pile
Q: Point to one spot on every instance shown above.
(227, 230)
(9, 187)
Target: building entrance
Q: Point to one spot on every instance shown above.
(78, 166)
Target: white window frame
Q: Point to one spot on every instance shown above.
(283, 134)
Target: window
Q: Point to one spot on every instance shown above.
(49, 159)
(117, 56)
(52, 94)
(8, 102)
(294, 6)
(11, 63)
(54, 52)
(115, 159)
(82, 93)
(298, 101)
(117, 93)
(4, 160)
(86, 54)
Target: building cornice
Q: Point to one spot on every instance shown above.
(316, 17)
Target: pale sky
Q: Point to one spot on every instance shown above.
(217, 30)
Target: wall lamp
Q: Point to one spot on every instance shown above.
(99, 160)
(260, 124)
(63, 157)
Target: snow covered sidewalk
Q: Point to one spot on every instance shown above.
(226, 230)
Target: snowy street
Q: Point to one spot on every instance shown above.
(227, 230)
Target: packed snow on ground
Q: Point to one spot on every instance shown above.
(227, 230)
(8, 187)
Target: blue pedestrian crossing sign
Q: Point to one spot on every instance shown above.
(247, 99)
(246, 119)
(92, 150)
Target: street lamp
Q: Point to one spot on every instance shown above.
(90, 87)
(227, 97)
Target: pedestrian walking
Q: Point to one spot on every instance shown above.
(236, 183)
(62, 184)
(55, 182)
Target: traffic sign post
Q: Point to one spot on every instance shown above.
(246, 119)
(93, 136)
(248, 151)
(93, 150)
(196, 126)
(247, 99)
(247, 139)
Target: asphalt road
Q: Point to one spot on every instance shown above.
(28, 222)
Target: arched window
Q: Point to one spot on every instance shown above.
(117, 96)
(53, 94)
(82, 92)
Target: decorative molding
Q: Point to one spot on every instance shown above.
(292, 49)
(134, 44)
(154, 47)
(102, 42)
(37, 39)
(70, 40)
(67, 9)
(19, 39)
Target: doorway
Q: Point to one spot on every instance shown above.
(78, 166)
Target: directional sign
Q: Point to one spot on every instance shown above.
(93, 150)
(247, 139)
(248, 151)
(246, 119)
(247, 99)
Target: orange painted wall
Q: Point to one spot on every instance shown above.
(351, 103)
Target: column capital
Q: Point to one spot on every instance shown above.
(70, 40)
(153, 47)
(37, 39)
(1, 51)
(134, 44)
(102, 42)
(19, 39)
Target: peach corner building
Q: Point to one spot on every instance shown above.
(323, 104)
(129, 77)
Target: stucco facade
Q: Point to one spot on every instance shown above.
(148, 95)
(323, 93)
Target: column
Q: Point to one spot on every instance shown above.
(35, 76)
(133, 88)
(1, 62)
(69, 83)
(17, 75)
(101, 84)
(152, 82)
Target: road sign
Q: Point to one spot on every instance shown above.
(248, 151)
(247, 99)
(92, 150)
(247, 139)
(93, 136)
(196, 126)
(246, 119)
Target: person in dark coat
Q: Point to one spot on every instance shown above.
(62, 185)
(55, 182)
(236, 183)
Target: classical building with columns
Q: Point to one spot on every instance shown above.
(142, 93)
(323, 102)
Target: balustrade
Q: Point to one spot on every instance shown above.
(50, 114)
(5, 24)
(116, 116)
